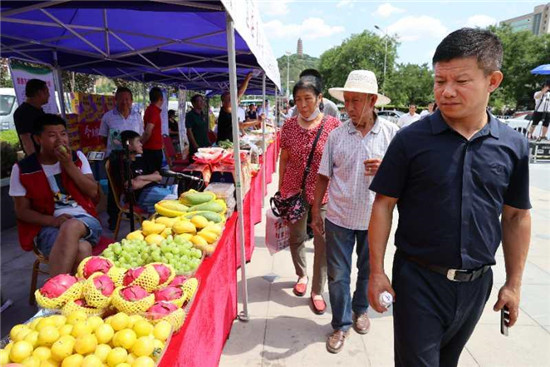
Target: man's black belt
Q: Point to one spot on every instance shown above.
(455, 275)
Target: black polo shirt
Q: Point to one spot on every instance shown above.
(451, 191)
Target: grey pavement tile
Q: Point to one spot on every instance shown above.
(527, 346)
(245, 343)
(535, 302)
(532, 274)
(490, 317)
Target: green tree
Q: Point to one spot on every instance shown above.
(78, 82)
(296, 64)
(361, 51)
(523, 51)
(410, 83)
(5, 77)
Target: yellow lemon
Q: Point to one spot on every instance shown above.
(162, 330)
(73, 361)
(94, 322)
(48, 335)
(32, 338)
(43, 323)
(4, 357)
(104, 333)
(132, 319)
(119, 321)
(143, 346)
(131, 358)
(42, 353)
(124, 365)
(62, 348)
(143, 328)
(16, 329)
(102, 351)
(31, 362)
(20, 351)
(58, 320)
(76, 316)
(33, 323)
(144, 362)
(116, 356)
(158, 344)
(7, 348)
(125, 338)
(81, 328)
(85, 344)
(22, 334)
(49, 363)
(91, 361)
(66, 329)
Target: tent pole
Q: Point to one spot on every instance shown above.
(263, 138)
(59, 82)
(276, 127)
(243, 315)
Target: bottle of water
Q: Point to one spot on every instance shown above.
(385, 299)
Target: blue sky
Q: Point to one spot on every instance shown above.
(420, 26)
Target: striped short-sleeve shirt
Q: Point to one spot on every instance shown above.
(349, 198)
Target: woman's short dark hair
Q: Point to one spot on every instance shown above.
(47, 119)
(155, 94)
(309, 83)
(34, 86)
(482, 44)
(171, 113)
(128, 135)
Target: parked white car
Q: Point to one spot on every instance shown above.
(522, 122)
(389, 115)
(8, 105)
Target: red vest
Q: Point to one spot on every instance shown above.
(34, 180)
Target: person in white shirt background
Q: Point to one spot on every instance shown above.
(542, 111)
(427, 111)
(409, 118)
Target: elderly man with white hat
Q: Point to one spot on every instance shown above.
(350, 160)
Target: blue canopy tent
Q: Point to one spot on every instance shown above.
(189, 44)
(541, 70)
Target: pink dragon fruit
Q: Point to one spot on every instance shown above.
(104, 284)
(82, 303)
(133, 293)
(57, 285)
(178, 281)
(168, 294)
(163, 271)
(131, 275)
(96, 264)
(160, 310)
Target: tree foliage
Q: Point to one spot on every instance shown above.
(523, 51)
(296, 64)
(410, 83)
(78, 82)
(361, 51)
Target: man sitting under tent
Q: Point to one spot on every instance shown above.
(55, 193)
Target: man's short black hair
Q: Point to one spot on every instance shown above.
(123, 90)
(155, 94)
(195, 98)
(171, 113)
(47, 119)
(547, 83)
(312, 72)
(128, 135)
(482, 44)
(34, 86)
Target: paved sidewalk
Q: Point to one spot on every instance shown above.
(283, 331)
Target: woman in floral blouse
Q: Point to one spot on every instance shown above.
(297, 136)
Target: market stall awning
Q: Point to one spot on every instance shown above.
(179, 43)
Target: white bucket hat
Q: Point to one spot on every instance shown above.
(360, 81)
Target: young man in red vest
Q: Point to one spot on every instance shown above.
(54, 193)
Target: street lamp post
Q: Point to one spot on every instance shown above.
(288, 53)
(385, 56)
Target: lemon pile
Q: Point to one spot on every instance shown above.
(77, 340)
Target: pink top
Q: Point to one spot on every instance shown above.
(298, 142)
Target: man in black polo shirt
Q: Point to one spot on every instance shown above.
(451, 175)
(37, 94)
(197, 125)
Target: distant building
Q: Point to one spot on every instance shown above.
(300, 48)
(537, 22)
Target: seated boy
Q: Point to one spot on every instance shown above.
(54, 193)
(147, 190)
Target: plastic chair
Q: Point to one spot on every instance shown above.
(139, 213)
(41, 259)
(174, 160)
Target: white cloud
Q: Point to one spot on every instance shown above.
(310, 29)
(480, 20)
(387, 9)
(344, 3)
(274, 7)
(415, 28)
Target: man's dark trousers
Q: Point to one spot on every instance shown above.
(434, 317)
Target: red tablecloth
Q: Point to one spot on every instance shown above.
(201, 339)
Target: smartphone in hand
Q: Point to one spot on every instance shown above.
(504, 320)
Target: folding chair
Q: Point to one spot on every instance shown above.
(174, 160)
(124, 210)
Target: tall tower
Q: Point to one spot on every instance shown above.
(300, 48)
